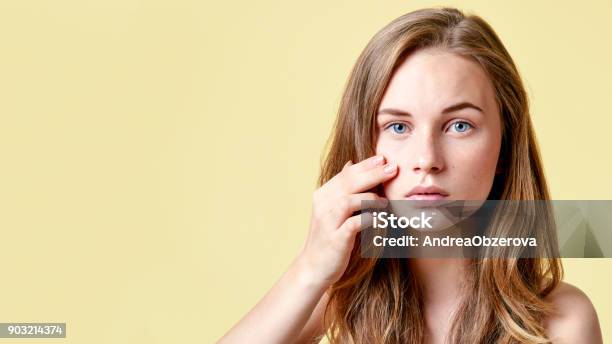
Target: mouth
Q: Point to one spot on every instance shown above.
(427, 196)
(427, 193)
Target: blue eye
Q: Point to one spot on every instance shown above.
(398, 128)
(461, 126)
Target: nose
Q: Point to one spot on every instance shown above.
(426, 155)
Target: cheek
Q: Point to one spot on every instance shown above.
(474, 167)
(392, 152)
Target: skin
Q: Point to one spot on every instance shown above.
(434, 149)
(434, 139)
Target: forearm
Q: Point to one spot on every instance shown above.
(282, 312)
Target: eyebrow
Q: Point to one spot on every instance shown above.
(452, 108)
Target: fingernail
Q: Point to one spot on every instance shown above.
(378, 160)
(390, 168)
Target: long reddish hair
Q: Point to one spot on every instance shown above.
(379, 300)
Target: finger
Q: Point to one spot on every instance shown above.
(365, 200)
(348, 168)
(347, 165)
(345, 206)
(369, 163)
(353, 181)
(355, 223)
(337, 182)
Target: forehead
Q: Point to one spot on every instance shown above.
(429, 80)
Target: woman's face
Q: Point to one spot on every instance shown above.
(439, 122)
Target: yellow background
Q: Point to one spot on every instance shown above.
(158, 157)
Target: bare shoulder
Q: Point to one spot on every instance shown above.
(574, 319)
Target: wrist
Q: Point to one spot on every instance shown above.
(307, 275)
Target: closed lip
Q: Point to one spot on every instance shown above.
(427, 192)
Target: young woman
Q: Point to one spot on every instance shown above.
(434, 109)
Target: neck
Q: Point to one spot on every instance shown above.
(441, 279)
